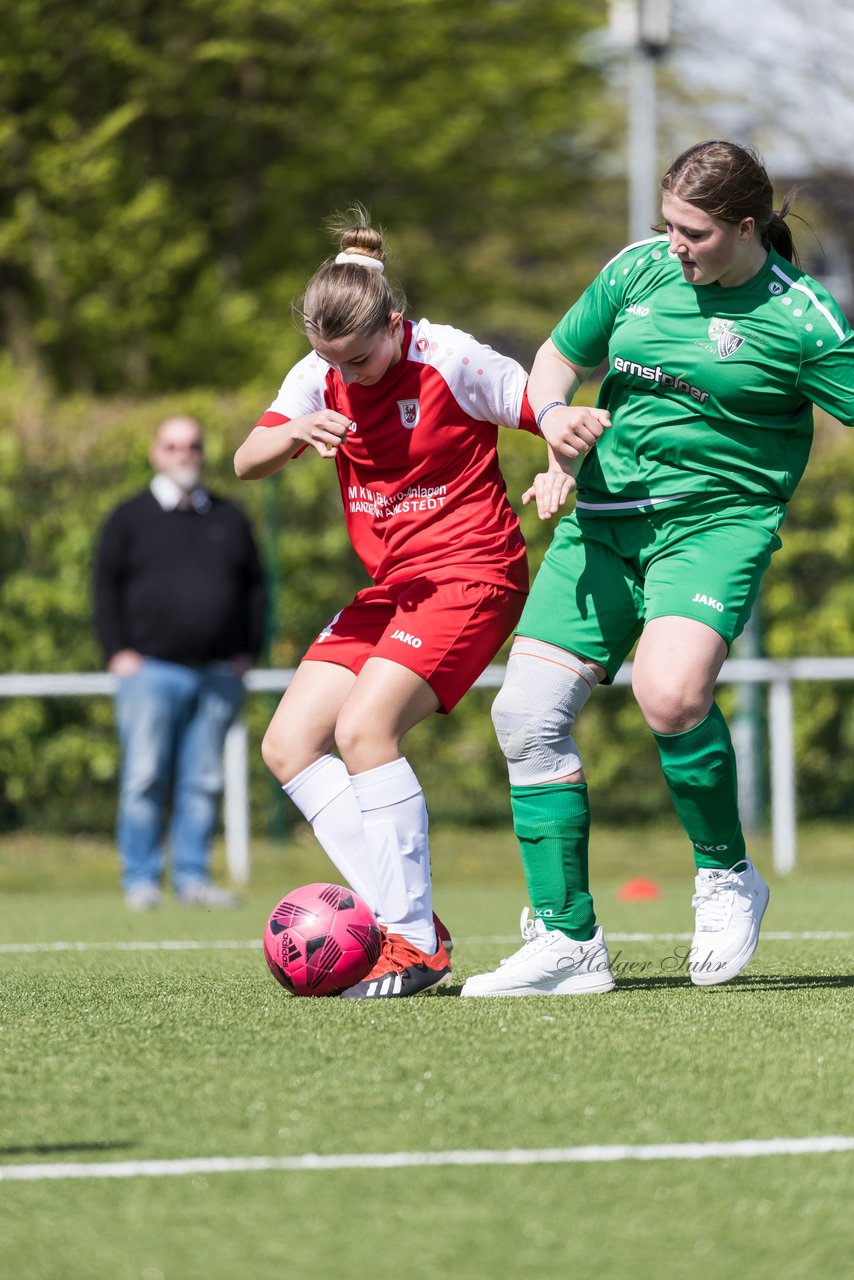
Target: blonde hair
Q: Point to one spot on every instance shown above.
(345, 298)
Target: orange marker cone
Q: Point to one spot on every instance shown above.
(639, 890)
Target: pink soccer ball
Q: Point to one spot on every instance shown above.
(321, 939)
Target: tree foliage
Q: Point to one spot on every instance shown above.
(167, 169)
(69, 460)
(166, 172)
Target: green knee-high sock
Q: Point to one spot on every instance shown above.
(699, 767)
(552, 825)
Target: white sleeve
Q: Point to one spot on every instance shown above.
(303, 389)
(486, 384)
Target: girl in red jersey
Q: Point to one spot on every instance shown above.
(408, 411)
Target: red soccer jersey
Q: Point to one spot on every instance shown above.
(419, 472)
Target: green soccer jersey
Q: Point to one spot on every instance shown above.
(710, 390)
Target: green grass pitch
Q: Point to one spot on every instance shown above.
(111, 1054)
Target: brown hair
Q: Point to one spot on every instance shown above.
(729, 182)
(344, 298)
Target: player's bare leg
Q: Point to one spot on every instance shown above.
(386, 701)
(677, 664)
(299, 748)
(373, 824)
(302, 729)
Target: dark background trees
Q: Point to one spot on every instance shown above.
(167, 169)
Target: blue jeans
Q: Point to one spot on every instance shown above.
(172, 721)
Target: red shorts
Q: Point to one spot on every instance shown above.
(447, 632)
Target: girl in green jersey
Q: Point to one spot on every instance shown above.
(717, 347)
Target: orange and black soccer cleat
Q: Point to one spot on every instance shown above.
(402, 970)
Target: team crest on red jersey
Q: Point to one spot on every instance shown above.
(410, 413)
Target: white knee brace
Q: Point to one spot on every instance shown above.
(544, 689)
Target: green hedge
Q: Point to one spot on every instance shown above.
(65, 463)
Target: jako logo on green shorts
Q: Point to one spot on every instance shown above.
(699, 598)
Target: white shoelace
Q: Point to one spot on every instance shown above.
(713, 901)
(534, 937)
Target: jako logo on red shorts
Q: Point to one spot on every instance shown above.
(406, 638)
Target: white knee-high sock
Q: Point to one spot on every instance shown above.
(394, 816)
(325, 798)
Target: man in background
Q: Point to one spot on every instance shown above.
(179, 614)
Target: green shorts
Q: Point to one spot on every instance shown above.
(603, 578)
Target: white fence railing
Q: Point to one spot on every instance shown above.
(777, 674)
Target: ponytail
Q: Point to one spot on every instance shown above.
(779, 235)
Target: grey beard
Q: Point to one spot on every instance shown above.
(186, 478)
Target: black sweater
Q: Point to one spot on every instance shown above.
(182, 586)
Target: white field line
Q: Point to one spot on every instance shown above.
(423, 1159)
(178, 944)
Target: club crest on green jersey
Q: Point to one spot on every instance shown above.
(720, 331)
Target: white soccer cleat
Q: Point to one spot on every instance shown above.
(729, 906)
(549, 964)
